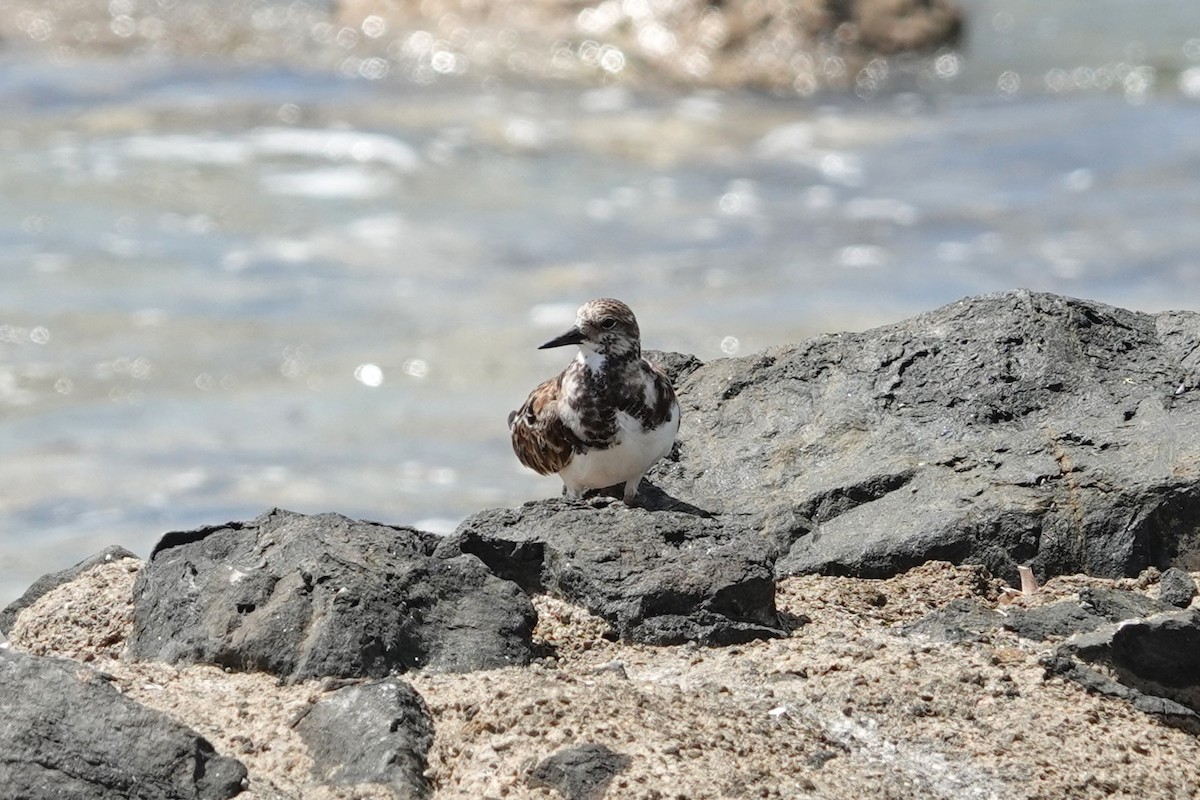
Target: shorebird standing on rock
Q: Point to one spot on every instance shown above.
(605, 418)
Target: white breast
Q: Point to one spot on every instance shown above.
(633, 454)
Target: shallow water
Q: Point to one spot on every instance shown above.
(232, 284)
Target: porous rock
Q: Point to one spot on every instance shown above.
(323, 595)
(65, 732)
(8, 616)
(378, 733)
(1003, 429)
(658, 577)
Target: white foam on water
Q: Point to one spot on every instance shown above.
(335, 145)
(330, 182)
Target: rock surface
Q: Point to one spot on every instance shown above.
(846, 707)
(376, 733)
(306, 596)
(1176, 588)
(8, 615)
(65, 732)
(1001, 430)
(1150, 657)
(582, 772)
(1092, 609)
(1154, 663)
(664, 577)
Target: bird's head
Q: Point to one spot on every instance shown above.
(603, 327)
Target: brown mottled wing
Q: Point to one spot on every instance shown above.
(539, 438)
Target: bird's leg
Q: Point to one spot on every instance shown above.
(631, 488)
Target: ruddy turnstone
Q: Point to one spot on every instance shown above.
(605, 418)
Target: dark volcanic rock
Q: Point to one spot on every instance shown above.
(582, 772)
(662, 577)
(1004, 429)
(1153, 662)
(1176, 587)
(968, 619)
(1117, 605)
(1057, 620)
(676, 366)
(65, 732)
(378, 733)
(1093, 680)
(303, 596)
(959, 620)
(47, 582)
(1095, 607)
(1164, 649)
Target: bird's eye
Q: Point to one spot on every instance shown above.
(608, 324)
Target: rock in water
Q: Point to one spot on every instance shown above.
(65, 732)
(307, 596)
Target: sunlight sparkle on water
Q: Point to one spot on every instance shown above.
(369, 375)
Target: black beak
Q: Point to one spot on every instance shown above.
(573, 336)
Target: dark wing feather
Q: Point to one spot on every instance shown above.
(539, 438)
(665, 397)
(658, 410)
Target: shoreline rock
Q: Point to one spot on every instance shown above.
(662, 577)
(64, 732)
(779, 618)
(314, 596)
(848, 706)
(794, 47)
(1005, 429)
(787, 47)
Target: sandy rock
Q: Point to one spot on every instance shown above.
(44, 584)
(65, 732)
(308, 596)
(847, 707)
(1004, 429)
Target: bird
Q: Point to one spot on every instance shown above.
(604, 419)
